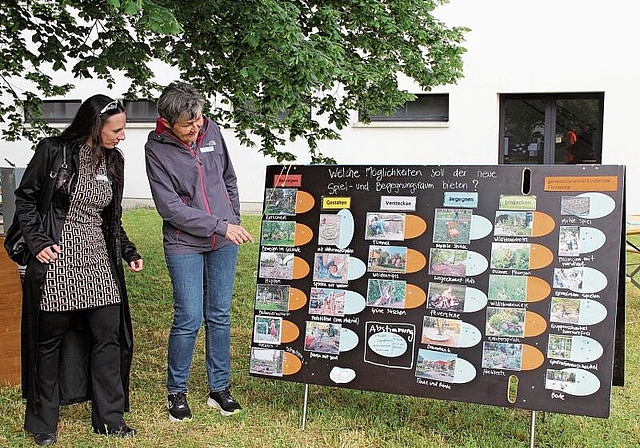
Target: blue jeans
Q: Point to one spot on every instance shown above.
(202, 290)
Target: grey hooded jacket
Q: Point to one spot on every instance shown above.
(194, 189)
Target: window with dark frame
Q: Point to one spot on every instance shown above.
(556, 128)
(141, 111)
(427, 107)
(281, 115)
(57, 111)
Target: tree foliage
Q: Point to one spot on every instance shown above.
(288, 69)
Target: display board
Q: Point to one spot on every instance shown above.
(486, 284)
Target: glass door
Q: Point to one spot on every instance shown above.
(551, 128)
(524, 126)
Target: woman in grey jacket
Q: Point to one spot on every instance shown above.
(194, 188)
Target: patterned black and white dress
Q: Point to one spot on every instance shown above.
(81, 278)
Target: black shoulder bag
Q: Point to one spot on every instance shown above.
(14, 242)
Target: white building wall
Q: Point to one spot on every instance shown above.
(513, 47)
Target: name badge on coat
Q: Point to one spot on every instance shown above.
(210, 146)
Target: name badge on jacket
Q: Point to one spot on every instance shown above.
(210, 146)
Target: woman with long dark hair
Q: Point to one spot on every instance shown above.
(76, 326)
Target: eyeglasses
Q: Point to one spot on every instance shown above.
(111, 106)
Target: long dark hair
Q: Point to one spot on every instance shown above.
(87, 125)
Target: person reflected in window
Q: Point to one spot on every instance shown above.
(582, 150)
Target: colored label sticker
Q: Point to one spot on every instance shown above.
(464, 371)
(357, 268)
(414, 296)
(581, 183)
(474, 300)
(540, 256)
(303, 235)
(347, 228)
(469, 335)
(287, 180)
(414, 226)
(335, 203)
(476, 263)
(591, 312)
(517, 202)
(480, 227)
(534, 324)
(290, 331)
(396, 203)
(300, 268)
(415, 261)
(348, 339)
(591, 239)
(537, 289)
(532, 358)
(543, 224)
(458, 199)
(304, 202)
(297, 299)
(291, 364)
(353, 303)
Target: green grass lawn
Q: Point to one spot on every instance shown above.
(335, 417)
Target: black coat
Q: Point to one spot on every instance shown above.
(75, 383)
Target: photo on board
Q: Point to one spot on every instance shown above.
(333, 268)
(565, 310)
(386, 293)
(569, 241)
(278, 233)
(510, 256)
(267, 330)
(452, 225)
(501, 355)
(511, 288)
(385, 226)
(441, 331)
(322, 337)
(327, 302)
(507, 322)
(574, 205)
(387, 259)
(276, 265)
(451, 262)
(560, 380)
(280, 201)
(559, 347)
(512, 223)
(446, 297)
(272, 297)
(329, 229)
(569, 278)
(266, 361)
(435, 365)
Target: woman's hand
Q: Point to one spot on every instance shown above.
(48, 254)
(238, 234)
(136, 265)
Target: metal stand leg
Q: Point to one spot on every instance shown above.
(304, 407)
(533, 429)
